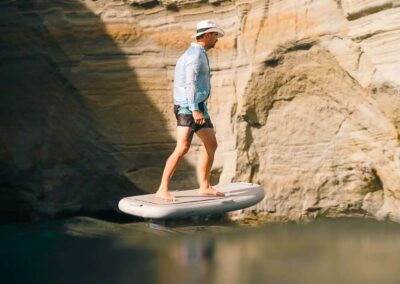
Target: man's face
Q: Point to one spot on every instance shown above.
(211, 39)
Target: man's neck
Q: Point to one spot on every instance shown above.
(203, 44)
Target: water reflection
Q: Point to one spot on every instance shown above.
(194, 259)
(86, 250)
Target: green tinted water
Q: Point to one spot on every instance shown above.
(88, 250)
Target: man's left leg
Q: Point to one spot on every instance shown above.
(207, 136)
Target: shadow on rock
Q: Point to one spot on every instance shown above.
(66, 112)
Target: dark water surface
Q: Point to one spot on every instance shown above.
(88, 250)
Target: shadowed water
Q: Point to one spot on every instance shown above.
(88, 250)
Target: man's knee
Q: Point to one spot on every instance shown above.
(215, 145)
(182, 149)
(212, 146)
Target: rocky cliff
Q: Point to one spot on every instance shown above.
(305, 101)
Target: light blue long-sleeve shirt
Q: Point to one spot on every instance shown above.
(192, 78)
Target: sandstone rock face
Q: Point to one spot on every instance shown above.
(305, 101)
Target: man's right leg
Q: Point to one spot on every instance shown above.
(182, 146)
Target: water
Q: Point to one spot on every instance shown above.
(88, 250)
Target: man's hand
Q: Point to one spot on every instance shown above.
(198, 117)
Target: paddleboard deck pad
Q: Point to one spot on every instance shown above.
(188, 203)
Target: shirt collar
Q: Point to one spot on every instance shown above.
(199, 46)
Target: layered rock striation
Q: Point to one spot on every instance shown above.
(305, 101)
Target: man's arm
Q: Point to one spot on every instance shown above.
(191, 71)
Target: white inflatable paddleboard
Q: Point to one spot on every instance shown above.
(189, 203)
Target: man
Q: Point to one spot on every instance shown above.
(191, 91)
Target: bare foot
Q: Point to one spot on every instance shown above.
(166, 195)
(210, 191)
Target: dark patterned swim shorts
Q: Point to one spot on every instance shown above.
(188, 120)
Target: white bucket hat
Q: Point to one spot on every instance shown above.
(208, 26)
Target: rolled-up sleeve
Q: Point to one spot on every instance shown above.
(191, 72)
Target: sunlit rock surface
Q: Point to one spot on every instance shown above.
(305, 101)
